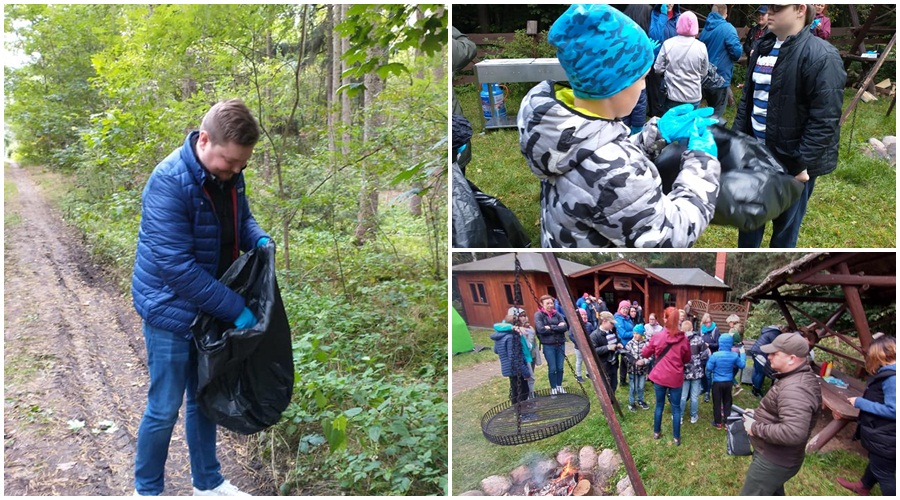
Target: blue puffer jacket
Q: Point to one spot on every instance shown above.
(722, 362)
(509, 349)
(661, 27)
(178, 246)
(722, 44)
(624, 328)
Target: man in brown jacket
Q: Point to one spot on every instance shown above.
(781, 426)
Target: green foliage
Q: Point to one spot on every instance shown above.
(115, 88)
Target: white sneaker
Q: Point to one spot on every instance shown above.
(553, 391)
(560, 390)
(695, 419)
(226, 489)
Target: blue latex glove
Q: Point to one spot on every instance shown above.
(636, 130)
(245, 320)
(815, 24)
(678, 122)
(664, 8)
(701, 138)
(262, 242)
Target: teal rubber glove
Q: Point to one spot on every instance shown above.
(678, 122)
(664, 8)
(815, 24)
(262, 242)
(701, 138)
(636, 130)
(245, 320)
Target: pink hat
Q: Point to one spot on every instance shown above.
(687, 24)
(624, 304)
(586, 295)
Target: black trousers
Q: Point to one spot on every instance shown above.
(610, 369)
(623, 369)
(721, 396)
(765, 478)
(881, 470)
(518, 389)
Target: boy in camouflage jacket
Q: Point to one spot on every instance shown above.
(599, 187)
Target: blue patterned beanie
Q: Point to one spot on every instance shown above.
(602, 50)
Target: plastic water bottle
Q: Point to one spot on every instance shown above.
(499, 101)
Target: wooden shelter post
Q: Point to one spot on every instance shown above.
(854, 302)
(784, 310)
(565, 300)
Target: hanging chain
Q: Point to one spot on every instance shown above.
(519, 271)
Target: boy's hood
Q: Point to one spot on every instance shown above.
(725, 342)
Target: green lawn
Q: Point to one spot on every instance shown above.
(840, 212)
(480, 336)
(699, 466)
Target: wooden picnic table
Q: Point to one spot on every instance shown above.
(834, 398)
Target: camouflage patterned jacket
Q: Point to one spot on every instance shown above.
(598, 186)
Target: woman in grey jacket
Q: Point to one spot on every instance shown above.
(684, 62)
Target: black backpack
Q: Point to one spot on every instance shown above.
(738, 441)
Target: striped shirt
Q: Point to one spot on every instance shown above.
(762, 82)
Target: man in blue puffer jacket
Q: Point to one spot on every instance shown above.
(724, 48)
(195, 221)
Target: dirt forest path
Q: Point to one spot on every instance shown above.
(74, 352)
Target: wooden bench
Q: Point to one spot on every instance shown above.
(834, 398)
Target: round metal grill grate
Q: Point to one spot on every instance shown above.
(541, 417)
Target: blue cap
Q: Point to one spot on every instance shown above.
(762, 9)
(602, 50)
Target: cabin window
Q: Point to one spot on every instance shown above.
(479, 296)
(669, 300)
(513, 291)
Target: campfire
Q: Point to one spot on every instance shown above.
(569, 482)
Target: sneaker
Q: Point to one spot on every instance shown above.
(682, 420)
(226, 489)
(856, 487)
(580, 380)
(631, 407)
(657, 435)
(757, 393)
(706, 398)
(553, 391)
(738, 390)
(694, 419)
(643, 405)
(717, 426)
(560, 390)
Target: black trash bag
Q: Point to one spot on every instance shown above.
(754, 187)
(246, 376)
(482, 221)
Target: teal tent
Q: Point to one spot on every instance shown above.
(462, 339)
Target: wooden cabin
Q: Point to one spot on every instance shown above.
(487, 286)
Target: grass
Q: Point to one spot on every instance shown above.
(840, 213)
(10, 192)
(699, 466)
(480, 336)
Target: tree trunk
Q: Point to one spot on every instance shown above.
(367, 214)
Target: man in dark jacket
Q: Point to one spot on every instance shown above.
(195, 221)
(724, 48)
(793, 107)
(758, 31)
(783, 423)
(760, 362)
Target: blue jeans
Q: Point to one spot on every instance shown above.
(555, 355)
(692, 388)
(785, 227)
(579, 360)
(636, 388)
(675, 401)
(172, 362)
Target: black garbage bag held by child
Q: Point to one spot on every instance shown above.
(246, 376)
(754, 187)
(481, 220)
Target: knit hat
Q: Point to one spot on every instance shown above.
(638, 329)
(624, 303)
(586, 295)
(602, 51)
(687, 24)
